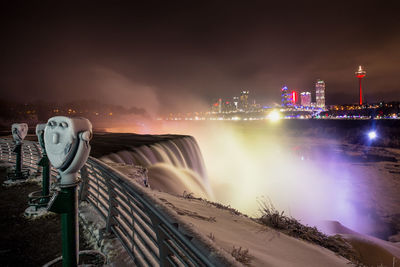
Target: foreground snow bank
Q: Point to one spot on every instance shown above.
(226, 231)
(373, 251)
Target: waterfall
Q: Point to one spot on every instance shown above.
(174, 165)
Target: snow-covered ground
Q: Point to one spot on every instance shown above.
(223, 231)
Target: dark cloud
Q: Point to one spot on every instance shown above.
(164, 56)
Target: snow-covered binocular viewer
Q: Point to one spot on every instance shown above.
(19, 131)
(40, 134)
(67, 145)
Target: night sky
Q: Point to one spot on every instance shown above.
(178, 56)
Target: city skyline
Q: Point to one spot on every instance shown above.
(296, 97)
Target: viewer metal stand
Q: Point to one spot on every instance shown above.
(65, 202)
(38, 200)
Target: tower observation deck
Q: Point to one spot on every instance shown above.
(360, 74)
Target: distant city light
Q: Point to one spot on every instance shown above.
(274, 115)
(372, 135)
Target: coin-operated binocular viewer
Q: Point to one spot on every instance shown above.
(19, 131)
(38, 200)
(67, 147)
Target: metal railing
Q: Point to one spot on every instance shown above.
(31, 153)
(147, 233)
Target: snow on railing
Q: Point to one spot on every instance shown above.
(149, 236)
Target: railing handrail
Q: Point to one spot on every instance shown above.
(130, 213)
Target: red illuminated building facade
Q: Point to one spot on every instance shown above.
(295, 97)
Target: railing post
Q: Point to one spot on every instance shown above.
(112, 204)
(39, 154)
(44, 162)
(38, 150)
(9, 152)
(1, 150)
(18, 160)
(164, 251)
(84, 181)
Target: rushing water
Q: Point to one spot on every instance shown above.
(173, 166)
(308, 178)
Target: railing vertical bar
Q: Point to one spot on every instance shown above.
(123, 230)
(141, 225)
(174, 240)
(127, 248)
(132, 228)
(171, 248)
(171, 262)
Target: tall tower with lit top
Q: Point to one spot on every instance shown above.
(360, 74)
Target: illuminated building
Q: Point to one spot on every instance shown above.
(286, 97)
(294, 97)
(244, 98)
(215, 107)
(305, 98)
(221, 106)
(320, 93)
(236, 102)
(360, 74)
(228, 107)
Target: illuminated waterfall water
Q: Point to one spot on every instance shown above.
(174, 166)
(307, 178)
